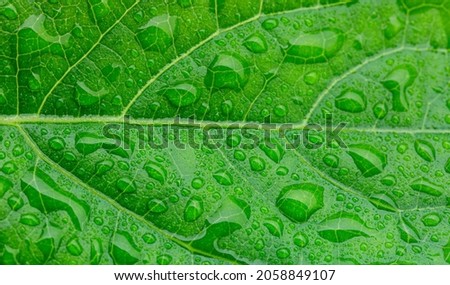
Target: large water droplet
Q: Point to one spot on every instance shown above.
(223, 177)
(15, 202)
(446, 251)
(299, 201)
(431, 219)
(9, 11)
(425, 150)
(256, 43)
(122, 249)
(46, 195)
(368, 159)
(156, 171)
(273, 150)
(352, 101)
(400, 78)
(380, 110)
(393, 27)
(126, 185)
(383, 202)
(314, 47)
(194, 209)
(104, 166)
(181, 95)
(29, 220)
(408, 232)
(157, 206)
(257, 164)
(424, 185)
(158, 33)
(227, 71)
(301, 239)
(343, 226)
(5, 185)
(331, 160)
(74, 247)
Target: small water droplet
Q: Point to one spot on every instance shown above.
(74, 247)
(104, 166)
(157, 206)
(301, 239)
(197, 183)
(57, 143)
(181, 95)
(269, 24)
(256, 43)
(368, 159)
(227, 71)
(311, 78)
(274, 226)
(331, 160)
(380, 110)
(223, 177)
(149, 238)
(156, 171)
(193, 210)
(352, 101)
(257, 164)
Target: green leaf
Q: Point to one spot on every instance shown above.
(224, 132)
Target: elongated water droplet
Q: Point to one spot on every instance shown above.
(96, 252)
(397, 81)
(256, 43)
(46, 195)
(126, 185)
(368, 159)
(315, 47)
(352, 101)
(123, 250)
(87, 143)
(104, 166)
(299, 201)
(331, 160)
(273, 150)
(156, 171)
(425, 150)
(5, 185)
(181, 95)
(157, 206)
(426, 186)
(343, 226)
(227, 71)
(431, 220)
(158, 33)
(408, 232)
(29, 220)
(274, 226)
(223, 177)
(383, 202)
(194, 209)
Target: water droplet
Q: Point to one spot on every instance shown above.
(123, 250)
(343, 226)
(197, 183)
(425, 150)
(9, 167)
(393, 27)
(87, 143)
(431, 220)
(368, 159)
(273, 150)
(269, 24)
(227, 107)
(256, 43)
(315, 47)
(74, 247)
(282, 171)
(331, 160)
(15, 201)
(446, 251)
(8, 11)
(185, 3)
(383, 202)
(352, 101)
(181, 95)
(57, 143)
(29, 220)
(389, 180)
(233, 140)
(149, 238)
(239, 155)
(408, 233)
(299, 201)
(157, 206)
(193, 210)
(18, 150)
(156, 171)
(283, 253)
(447, 166)
(126, 185)
(47, 196)
(96, 252)
(257, 164)
(164, 259)
(223, 177)
(158, 33)
(380, 110)
(86, 96)
(426, 186)
(5, 185)
(104, 166)
(274, 226)
(400, 78)
(227, 71)
(300, 239)
(311, 78)
(280, 110)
